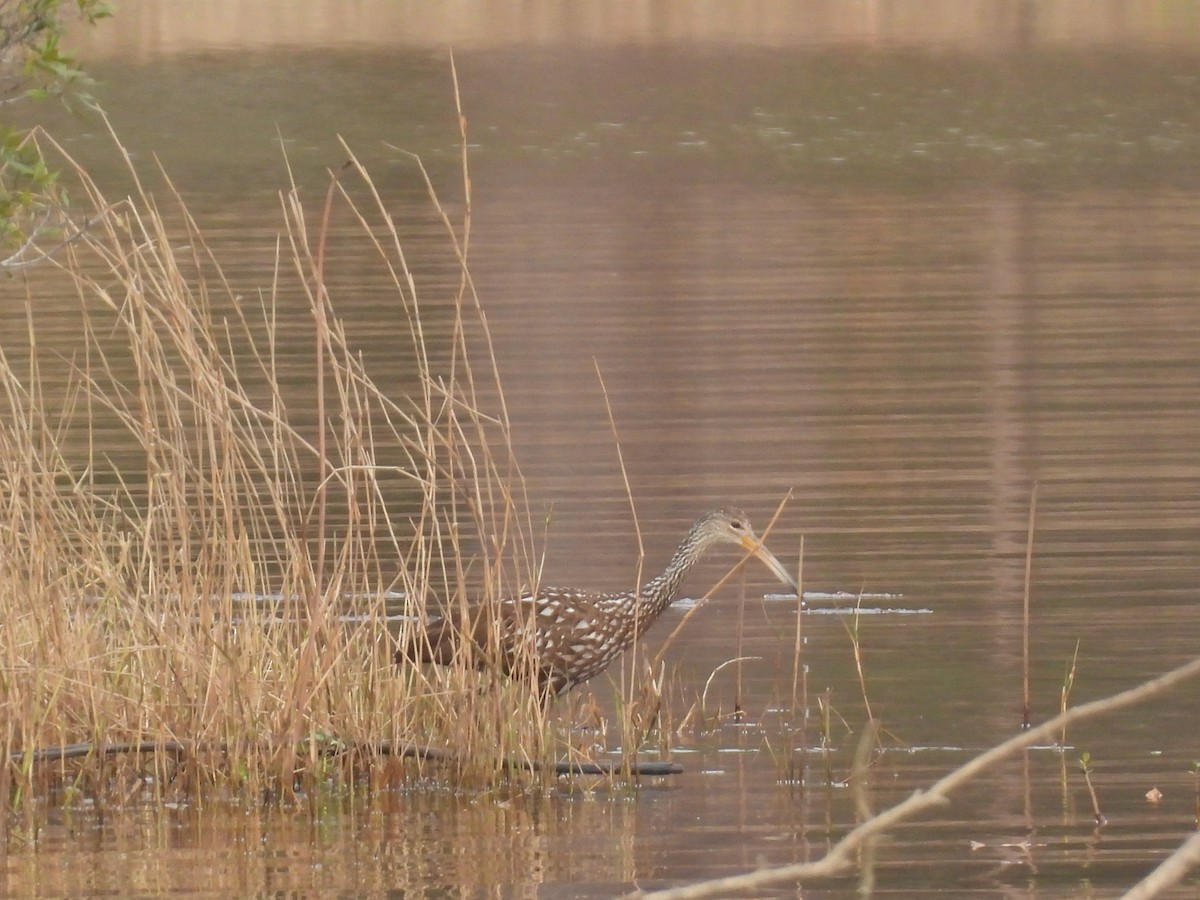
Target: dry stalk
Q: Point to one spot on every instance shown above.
(628, 679)
(1085, 769)
(161, 587)
(1067, 686)
(856, 643)
(1026, 702)
(799, 670)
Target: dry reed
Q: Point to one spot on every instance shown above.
(192, 560)
(1026, 702)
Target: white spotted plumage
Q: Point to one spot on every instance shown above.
(563, 636)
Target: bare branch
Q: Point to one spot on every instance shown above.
(841, 856)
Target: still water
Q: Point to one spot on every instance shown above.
(905, 282)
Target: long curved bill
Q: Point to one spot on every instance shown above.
(769, 560)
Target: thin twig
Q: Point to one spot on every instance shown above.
(841, 856)
(1169, 872)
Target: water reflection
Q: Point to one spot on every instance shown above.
(156, 27)
(780, 293)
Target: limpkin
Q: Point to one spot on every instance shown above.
(564, 636)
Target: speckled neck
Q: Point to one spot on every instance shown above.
(659, 592)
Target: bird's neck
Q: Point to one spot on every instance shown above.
(658, 593)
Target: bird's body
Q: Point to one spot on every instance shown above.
(563, 636)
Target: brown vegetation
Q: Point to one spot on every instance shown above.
(221, 593)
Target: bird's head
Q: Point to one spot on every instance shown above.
(732, 526)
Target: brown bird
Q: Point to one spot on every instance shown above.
(564, 636)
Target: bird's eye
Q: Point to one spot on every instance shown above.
(737, 524)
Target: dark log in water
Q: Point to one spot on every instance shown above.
(383, 748)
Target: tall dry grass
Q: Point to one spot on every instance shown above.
(211, 570)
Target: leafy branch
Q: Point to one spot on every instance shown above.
(34, 66)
